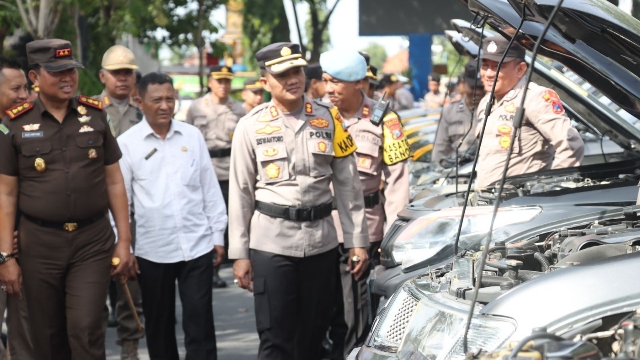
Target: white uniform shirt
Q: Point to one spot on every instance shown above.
(179, 210)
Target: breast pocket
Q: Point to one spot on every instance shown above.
(190, 170)
(89, 146)
(30, 152)
(273, 163)
(321, 153)
(457, 130)
(201, 123)
(367, 157)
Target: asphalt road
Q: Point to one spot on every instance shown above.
(234, 321)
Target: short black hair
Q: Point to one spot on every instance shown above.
(9, 63)
(155, 78)
(138, 77)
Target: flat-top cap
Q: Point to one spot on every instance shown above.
(493, 47)
(279, 57)
(52, 54)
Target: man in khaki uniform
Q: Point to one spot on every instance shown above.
(457, 124)
(119, 79)
(546, 139)
(286, 153)
(382, 153)
(216, 115)
(253, 94)
(434, 99)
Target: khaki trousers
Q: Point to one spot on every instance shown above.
(65, 276)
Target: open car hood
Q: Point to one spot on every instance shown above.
(612, 79)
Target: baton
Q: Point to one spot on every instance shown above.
(123, 280)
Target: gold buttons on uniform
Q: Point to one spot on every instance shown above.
(40, 165)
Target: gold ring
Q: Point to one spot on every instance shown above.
(235, 281)
(355, 258)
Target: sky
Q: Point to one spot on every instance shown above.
(343, 27)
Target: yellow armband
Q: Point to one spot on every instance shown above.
(395, 147)
(343, 143)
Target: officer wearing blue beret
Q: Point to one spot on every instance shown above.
(382, 149)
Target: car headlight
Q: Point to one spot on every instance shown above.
(427, 235)
(436, 333)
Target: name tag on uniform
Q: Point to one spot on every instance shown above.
(29, 135)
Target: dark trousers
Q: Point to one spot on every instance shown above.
(65, 278)
(292, 303)
(158, 287)
(351, 323)
(224, 188)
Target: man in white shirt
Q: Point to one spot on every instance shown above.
(180, 218)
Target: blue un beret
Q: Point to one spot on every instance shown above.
(345, 65)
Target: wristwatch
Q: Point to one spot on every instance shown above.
(4, 257)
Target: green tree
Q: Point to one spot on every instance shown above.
(265, 22)
(8, 19)
(316, 37)
(377, 54)
(308, 28)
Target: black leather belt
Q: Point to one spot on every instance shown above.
(372, 200)
(298, 214)
(68, 226)
(220, 153)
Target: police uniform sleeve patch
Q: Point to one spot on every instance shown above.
(97, 104)
(395, 146)
(4, 129)
(18, 110)
(343, 143)
(552, 98)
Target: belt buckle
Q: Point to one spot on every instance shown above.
(70, 227)
(306, 214)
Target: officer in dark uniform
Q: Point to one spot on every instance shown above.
(60, 167)
(314, 84)
(457, 126)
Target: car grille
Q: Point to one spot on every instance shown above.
(401, 318)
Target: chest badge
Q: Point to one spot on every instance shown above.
(270, 152)
(184, 149)
(364, 163)
(273, 171)
(510, 108)
(322, 146)
(86, 128)
(40, 165)
(82, 110)
(31, 127)
(319, 123)
(84, 119)
(93, 154)
(268, 130)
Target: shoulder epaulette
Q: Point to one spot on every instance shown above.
(322, 103)
(258, 108)
(18, 110)
(85, 100)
